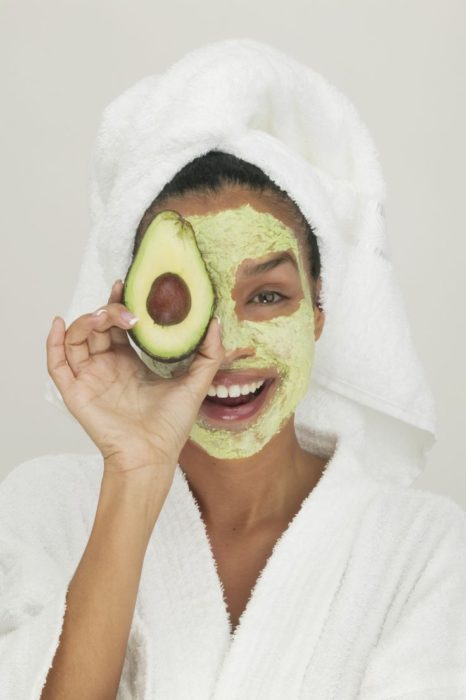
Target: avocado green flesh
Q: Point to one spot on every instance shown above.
(169, 245)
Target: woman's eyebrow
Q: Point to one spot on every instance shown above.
(251, 270)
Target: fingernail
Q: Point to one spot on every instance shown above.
(99, 311)
(218, 319)
(129, 318)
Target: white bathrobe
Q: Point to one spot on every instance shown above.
(364, 594)
(362, 597)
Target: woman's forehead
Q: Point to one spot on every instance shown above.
(237, 227)
(234, 196)
(229, 236)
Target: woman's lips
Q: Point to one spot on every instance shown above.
(230, 378)
(218, 414)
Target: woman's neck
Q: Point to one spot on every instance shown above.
(243, 495)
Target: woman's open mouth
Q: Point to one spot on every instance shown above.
(240, 408)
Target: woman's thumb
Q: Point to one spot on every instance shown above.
(208, 358)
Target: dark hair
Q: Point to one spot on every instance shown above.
(214, 170)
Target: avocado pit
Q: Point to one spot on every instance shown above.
(169, 300)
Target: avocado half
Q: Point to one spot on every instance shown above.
(169, 289)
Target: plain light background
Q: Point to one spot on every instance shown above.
(402, 64)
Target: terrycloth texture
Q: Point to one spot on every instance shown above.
(251, 100)
(363, 596)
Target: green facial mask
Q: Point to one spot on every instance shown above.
(283, 342)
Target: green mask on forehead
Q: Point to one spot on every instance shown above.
(284, 343)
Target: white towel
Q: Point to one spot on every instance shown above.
(249, 99)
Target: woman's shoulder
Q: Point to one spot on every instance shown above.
(48, 492)
(415, 500)
(417, 519)
(47, 507)
(56, 471)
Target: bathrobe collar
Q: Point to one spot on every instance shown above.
(293, 591)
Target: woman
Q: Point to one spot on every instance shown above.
(257, 480)
(248, 550)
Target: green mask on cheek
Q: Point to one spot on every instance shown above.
(284, 342)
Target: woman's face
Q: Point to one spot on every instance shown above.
(269, 323)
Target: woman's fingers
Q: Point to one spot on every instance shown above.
(208, 358)
(118, 335)
(102, 340)
(77, 349)
(57, 365)
(68, 351)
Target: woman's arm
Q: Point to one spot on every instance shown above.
(102, 594)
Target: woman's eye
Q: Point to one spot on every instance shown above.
(266, 296)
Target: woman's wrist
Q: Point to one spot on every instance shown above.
(136, 494)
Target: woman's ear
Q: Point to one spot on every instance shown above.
(319, 313)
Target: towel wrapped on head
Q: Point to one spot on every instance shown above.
(248, 99)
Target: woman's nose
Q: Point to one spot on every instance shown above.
(237, 354)
(236, 336)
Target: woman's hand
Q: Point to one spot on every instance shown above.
(133, 416)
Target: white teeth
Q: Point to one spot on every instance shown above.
(236, 390)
